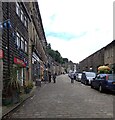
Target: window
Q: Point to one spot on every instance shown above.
(22, 16)
(17, 9)
(20, 76)
(20, 13)
(25, 21)
(17, 39)
(22, 43)
(111, 77)
(25, 46)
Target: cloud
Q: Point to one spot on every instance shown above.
(64, 35)
(77, 28)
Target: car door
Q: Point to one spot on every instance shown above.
(97, 81)
(101, 81)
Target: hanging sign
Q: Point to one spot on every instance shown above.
(19, 62)
(1, 54)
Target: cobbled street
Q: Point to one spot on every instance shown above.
(65, 100)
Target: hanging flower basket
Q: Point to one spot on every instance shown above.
(103, 68)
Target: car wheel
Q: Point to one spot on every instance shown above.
(92, 86)
(100, 89)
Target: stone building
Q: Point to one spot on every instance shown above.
(15, 39)
(109, 55)
(104, 56)
(38, 44)
(22, 42)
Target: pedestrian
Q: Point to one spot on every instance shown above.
(54, 77)
(49, 76)
(72, 77)
(45, 76)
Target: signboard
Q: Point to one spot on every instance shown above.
(19, 62)
(1, 54)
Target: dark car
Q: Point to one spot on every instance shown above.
(87, 77)
(104, 82)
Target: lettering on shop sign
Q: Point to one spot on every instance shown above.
(1, 54)
(19, 62)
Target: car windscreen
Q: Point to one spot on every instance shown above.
(111, 77)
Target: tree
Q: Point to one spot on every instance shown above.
(65, 60)
(56, 55)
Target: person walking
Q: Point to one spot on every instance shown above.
(72, 77)
(49, 76)
(54, 77)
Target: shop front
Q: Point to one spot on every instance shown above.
(35, 67)
(21, 70)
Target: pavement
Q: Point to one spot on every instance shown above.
(10, 108)
(65, 100)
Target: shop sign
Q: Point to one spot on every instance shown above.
(19, 62)
(1, 54)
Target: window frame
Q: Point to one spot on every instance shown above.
(18, 39)
(26, 46)
(17, 9)
(22, 43)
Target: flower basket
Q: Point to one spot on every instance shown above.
(28, 87)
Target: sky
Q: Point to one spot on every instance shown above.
(77, 28)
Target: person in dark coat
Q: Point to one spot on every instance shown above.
(49, 76)
(54, 77)
(72, 77)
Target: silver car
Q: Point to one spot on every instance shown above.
(78, 77)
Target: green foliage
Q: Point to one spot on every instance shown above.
(13, 83)
(29, 85)
(55, 55)
(65, 60)
(104, 71)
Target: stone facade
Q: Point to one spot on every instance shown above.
(15, 38)
(104, 56)
(109, 55)
(23, 42)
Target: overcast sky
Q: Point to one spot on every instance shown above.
(77, 28)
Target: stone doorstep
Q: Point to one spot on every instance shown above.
(8, 109)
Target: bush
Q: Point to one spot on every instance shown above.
(29, 85)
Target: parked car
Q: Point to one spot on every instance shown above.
(87, 77)
(78, 77)
(104, 82)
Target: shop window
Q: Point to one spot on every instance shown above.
(20, 76)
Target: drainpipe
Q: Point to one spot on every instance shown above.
(8, 42)
(1, 61)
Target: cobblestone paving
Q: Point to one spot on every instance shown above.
(65, 100)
